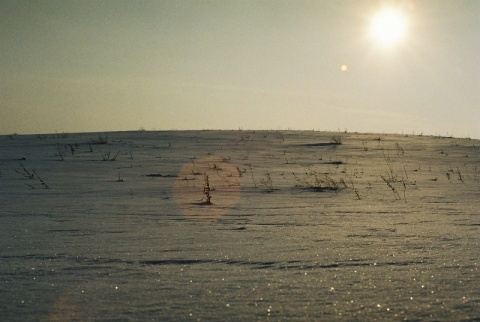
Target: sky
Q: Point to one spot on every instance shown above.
(114, 65)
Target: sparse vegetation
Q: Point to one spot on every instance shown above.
(206, 190)
(267, 182)
(394, 190)
(400, 151)
(31, 175)
(240, 172)
(253, 179)
(391, 175)
(41, 180)
(460, 176)
(25, 172)
(62, 135)
(61, 152)
(319, 181)
(349, 177)
(327, 168)
(365, 145)
(109, 156)
(100, 140)
(73, 147)
(336, 139)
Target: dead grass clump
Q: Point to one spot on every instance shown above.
(62, 150)
(267, 182)
(109, 156)
(336, 139)
(73, 148)
(100, 140)
(319, 182)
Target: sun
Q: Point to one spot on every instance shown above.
(389, 27)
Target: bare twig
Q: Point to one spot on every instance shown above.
(395, 192)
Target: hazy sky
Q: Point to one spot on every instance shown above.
(104, 65)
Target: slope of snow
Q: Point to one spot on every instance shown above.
(302, 226)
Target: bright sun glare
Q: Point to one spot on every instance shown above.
(389, 27)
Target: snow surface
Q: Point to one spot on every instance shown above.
(301, 227)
